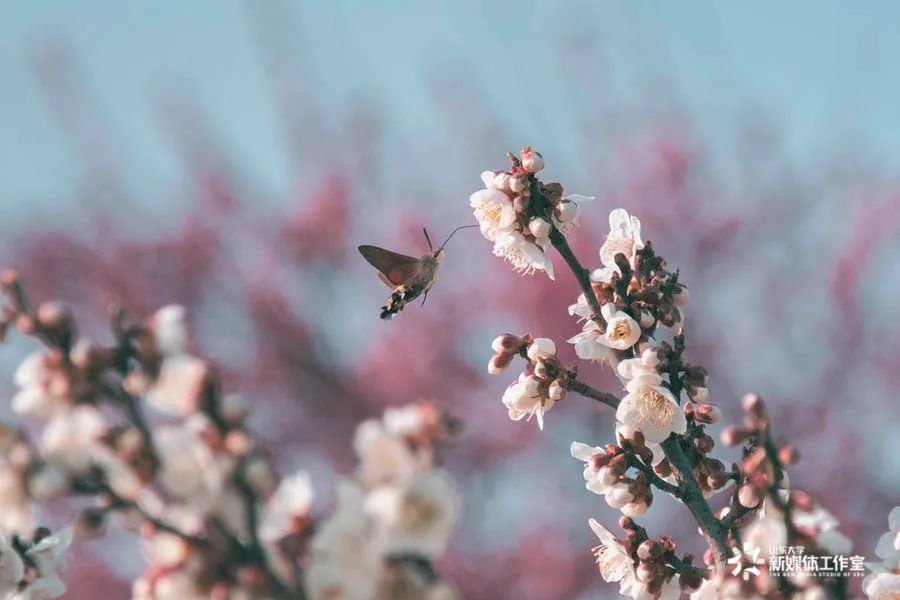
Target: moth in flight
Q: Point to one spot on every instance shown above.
(407, 276)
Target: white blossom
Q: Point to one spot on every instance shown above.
(68, 441)
(292, 500)
(525, 257)
(178, 386)
(613, 560)
(12, 569)
(48, 558)
(417, 517)
(650, 408)
(524, 398)
(170, 330)
(383, 458)
(624, 237)
(492, 208)
(621, 333)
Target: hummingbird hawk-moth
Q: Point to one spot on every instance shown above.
(407, 276)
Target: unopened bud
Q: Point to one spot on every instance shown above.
(506, 342)
(532, 161)
(541, 348)
(788, 454)
(501, 181)
(557, 391)
(517, 184)
(648, 549)
(754, 405)
(708, 413)
(681, 295)
(54, 315)
(733, 435)
(567, 211)
(521, 205)
(699, 394)
(749, 496)
(539, 228)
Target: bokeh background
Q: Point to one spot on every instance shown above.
(229, 156)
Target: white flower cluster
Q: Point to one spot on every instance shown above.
(884, 581)
(616, 564)
(30, 571)
(517, 213)
(540, 385)
(393, 519)
(606, 474)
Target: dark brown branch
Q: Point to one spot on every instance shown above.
(655, 479)
(593, 393)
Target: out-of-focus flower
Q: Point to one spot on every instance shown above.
(169, 330)
(289, 505)
(525, 257)
(524, 398)
(764, 533)
(344, 559)
(383, 458)
(884, 581)
(189, 471)
(12, 569)
(624, 237)
(178, 386)
(68, 441)
(416, 518)
(48, 558)
(40, 392)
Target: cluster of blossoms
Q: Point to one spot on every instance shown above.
(541, 384)
(214, 518)
(393, 518)
(518, 213)
(884, 582)
(632, 312)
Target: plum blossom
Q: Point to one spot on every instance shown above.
(614, 562)
(40, 393)
(620, 333)
(883, 583)
(12, 569)
(169, 330)
(178, 386)
(624, 237)
(493, 208)
(525, 398)
(649, 407)
(525, 256)
(383, 458)
(417, 517)
(69, 439)
(290, 503)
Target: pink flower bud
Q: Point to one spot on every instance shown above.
(754, 405)
(539, 228)
(681, 295)
(733, 435)
(532, 161)
(648, 549)
(708, 413)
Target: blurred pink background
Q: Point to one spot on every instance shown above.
(231, 157)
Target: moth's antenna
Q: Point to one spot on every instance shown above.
(454, 231)
(427, 239)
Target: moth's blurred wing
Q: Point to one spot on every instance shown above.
(396, 269)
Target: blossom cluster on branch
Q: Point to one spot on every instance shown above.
(213, 516)
(632, 312)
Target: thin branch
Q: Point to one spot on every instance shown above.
(593, 393)
(655, 479)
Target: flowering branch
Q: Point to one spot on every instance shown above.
(628, 307)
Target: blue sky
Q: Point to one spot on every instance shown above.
(820, 69)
